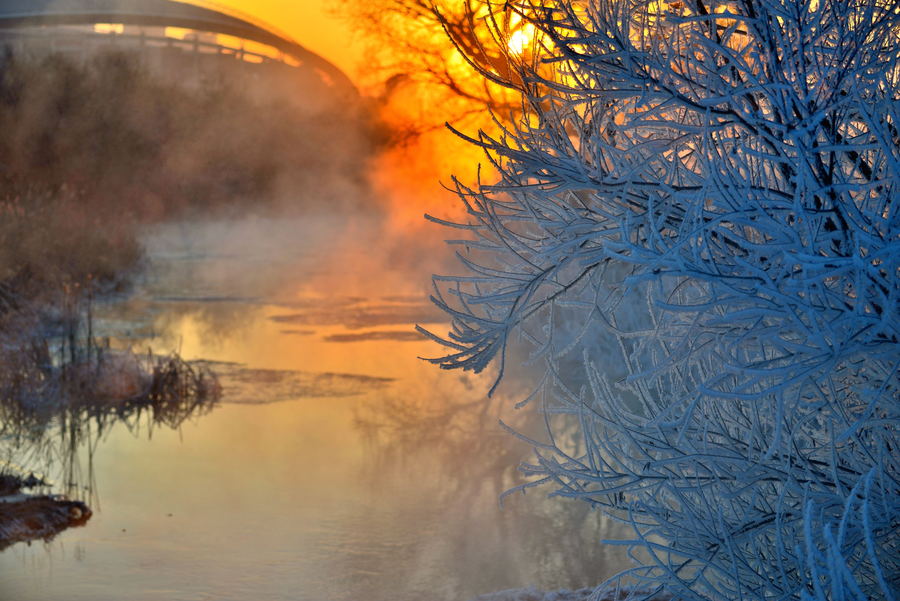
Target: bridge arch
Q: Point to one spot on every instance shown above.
(18, 14)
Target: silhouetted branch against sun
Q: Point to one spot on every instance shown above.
(456, 55)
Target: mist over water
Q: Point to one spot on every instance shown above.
(337, 465)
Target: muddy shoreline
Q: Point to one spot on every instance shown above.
(26, 517)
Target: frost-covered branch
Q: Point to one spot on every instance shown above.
(696, 228)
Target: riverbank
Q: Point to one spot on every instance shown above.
(25, 517)
(86, 162)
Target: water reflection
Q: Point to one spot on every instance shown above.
(336, 465)
(401, 336)
(55, 414)
(463, 461)
(358, 313)
(245, 385)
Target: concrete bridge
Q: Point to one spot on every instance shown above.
(19, 15)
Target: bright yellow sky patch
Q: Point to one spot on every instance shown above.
(309, 22)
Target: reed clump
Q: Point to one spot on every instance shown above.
(61, 391)
(106, 384)
(53, 416)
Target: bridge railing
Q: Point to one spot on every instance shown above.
(75, 40)
(243, 16)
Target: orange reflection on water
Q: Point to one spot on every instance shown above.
(270, 339)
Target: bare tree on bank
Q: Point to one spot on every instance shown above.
(696, 231)
(436, 53)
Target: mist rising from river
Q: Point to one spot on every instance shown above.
(282, 247)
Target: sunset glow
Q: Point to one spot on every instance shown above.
(312, 23)
(311, 292)
(521, 40)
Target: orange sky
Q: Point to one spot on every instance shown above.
(407, 177)
(310, 23)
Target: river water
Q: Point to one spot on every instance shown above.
(337, 466)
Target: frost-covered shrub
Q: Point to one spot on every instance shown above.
(696, 230)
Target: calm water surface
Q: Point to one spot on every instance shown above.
(337, 465)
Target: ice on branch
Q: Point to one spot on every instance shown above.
(696, 230)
